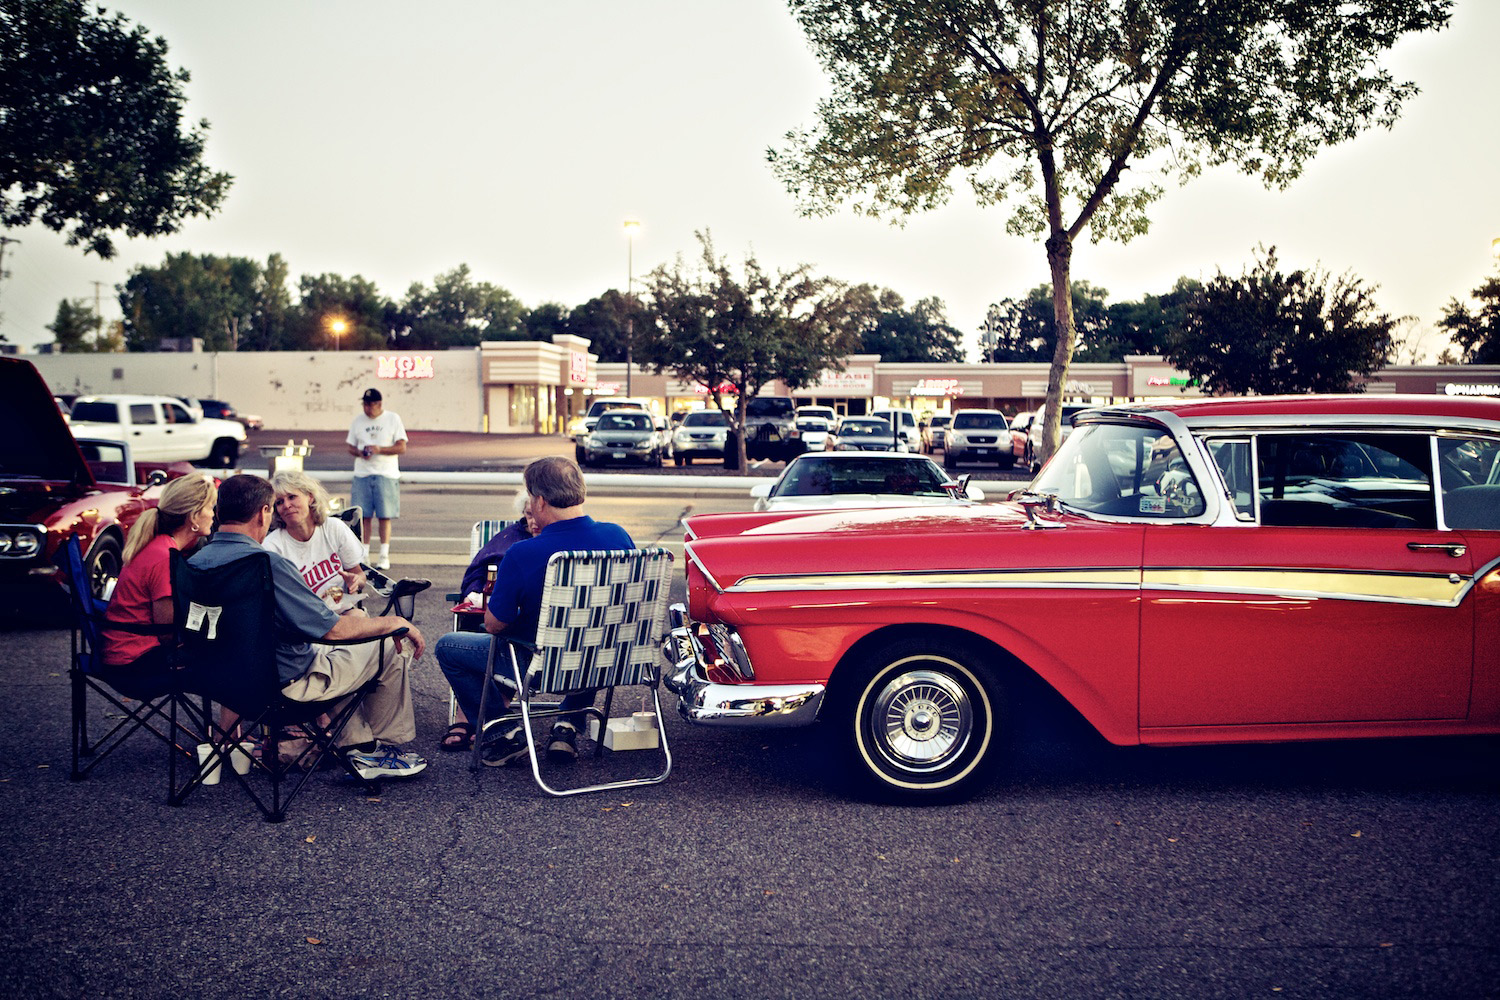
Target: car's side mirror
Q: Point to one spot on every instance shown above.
(761, 491)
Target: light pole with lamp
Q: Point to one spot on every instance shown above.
(631, 225)
(337, 327)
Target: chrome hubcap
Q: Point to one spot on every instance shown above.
(922, 719)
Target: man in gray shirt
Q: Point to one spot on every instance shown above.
(310, 670)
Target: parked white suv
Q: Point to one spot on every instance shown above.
(906, 426)
(158, 429)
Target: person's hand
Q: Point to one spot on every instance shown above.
(354, 580)
(417, 642)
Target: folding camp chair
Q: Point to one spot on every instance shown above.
(602, 625)
(480, 535)
(153, 710)
(400, 596)
(225, 619)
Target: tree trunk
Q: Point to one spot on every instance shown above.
(1059, 261)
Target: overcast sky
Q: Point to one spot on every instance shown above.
(398, 140)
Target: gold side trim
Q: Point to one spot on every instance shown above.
(1404, 588)
(1106, 579)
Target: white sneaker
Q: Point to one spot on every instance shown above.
(383, 561)
(387, 762)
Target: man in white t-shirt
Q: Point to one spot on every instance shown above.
(375, 440)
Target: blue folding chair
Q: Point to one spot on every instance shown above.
(136, 708)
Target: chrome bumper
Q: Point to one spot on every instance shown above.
(707, 703)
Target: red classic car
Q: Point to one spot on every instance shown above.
(52, 486)
(1217, 571)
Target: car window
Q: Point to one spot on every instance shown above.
(1345, 480)
(863, 428)
(706, 418)
(142, 413)
(176, 414)
(1232, 456)
(1123, 471)
(980, 422)
(99, 413)
(1469, 475)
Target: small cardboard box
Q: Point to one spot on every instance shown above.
(628, 734)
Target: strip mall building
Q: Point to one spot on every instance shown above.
(532, 387)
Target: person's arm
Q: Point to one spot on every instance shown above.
(493, 625)
(355, 627)
(349, 552)
(161, 611)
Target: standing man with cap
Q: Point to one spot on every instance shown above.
(375, 439)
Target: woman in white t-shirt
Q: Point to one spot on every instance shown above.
(322, 548)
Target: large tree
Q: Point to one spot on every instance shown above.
(1026, 329)
(889, 329)
(458, 311)
(91, 132)
(1274, 332)
(1047, 103)
(1476, 333)
(738, 335)
(205, 296)
(76, 327)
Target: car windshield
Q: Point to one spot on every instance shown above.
(706, 418)
(941, 420)
(812, 424)
(624, 422)
(979, 422)
(913, 477)
(1122, 470)
(769, 406)
(864, 428)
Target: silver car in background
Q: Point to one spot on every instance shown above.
(700, 434)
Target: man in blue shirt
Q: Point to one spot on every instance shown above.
(312, 671)
(556, 494)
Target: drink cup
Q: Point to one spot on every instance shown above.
(205, 754)
(240, 757)
(643, 722)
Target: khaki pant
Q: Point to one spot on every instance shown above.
(338, 671)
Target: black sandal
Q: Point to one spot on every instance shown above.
(458, 739)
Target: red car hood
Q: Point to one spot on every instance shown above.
(905, 540)
(37, 443)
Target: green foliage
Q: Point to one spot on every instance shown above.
(602, 322)
(75, 326)
(890, 330)
(545, 321)
(1045, 104)
(458, 312)
(712, 327)
(1476, 334)
(91, 128)
(1026, 329)
(327, 299)
(1269, 332)
(232, 303)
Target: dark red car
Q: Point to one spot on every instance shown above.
(52, 486)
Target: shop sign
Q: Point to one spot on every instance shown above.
(725, 389)
(1164, 380)
(850, 382)
(607, 388)
(403, 366)
(578, 368)
(1471, 389)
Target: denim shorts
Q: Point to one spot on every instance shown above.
(376, 496)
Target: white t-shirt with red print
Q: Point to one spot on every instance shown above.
(331, 549)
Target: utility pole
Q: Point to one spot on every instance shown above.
(4, 241)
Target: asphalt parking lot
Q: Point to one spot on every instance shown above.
(1358, 869)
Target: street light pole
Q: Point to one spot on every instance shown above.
(337, 326)
(631, 225)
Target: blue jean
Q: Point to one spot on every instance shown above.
(462, 657)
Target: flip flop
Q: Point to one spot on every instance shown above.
(458, 739)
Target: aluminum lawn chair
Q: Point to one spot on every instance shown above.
(602, 625)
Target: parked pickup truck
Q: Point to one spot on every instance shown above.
(158, 429)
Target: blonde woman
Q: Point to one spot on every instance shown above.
(136, 665)
(322, 548)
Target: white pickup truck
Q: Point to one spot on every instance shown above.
(158, 429)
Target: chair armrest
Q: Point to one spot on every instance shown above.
(134, 628)
(393, 634)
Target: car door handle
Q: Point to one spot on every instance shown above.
(1452, 548)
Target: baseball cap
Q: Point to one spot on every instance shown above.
(371, 396)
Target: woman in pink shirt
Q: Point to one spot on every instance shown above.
(136, 665)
